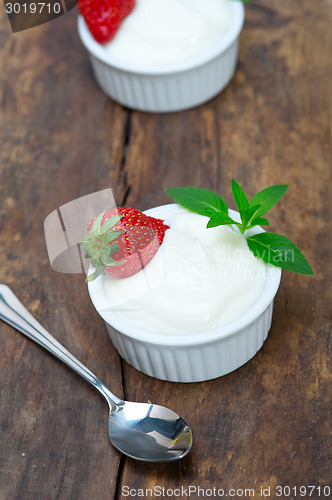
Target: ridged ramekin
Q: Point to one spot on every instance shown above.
(191, 357)
(171, 87)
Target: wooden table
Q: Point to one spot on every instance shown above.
(266, 425)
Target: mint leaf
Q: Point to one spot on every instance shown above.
(259, 221)
(198, 200)
(240, 199)
(220, 220)
(250, 214)
(279, 251)
(270, 247)
(268, 197)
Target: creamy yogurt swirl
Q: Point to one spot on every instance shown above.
(199, 279)
(159, 32)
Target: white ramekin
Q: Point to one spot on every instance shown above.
(191, 357)
(171, 87)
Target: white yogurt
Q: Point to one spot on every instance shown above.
(199, 279)
(160, 32)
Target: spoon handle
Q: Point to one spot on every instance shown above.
(15, 314)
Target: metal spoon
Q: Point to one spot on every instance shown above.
(142, 431)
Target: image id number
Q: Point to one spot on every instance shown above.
(303, 491)
(33, 8)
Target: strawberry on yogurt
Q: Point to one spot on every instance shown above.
(121, 241)
(104, 17)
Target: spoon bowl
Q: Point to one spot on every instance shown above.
(142, 431)
(149, 432)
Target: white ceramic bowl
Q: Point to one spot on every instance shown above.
(171, 87)
(191, 357)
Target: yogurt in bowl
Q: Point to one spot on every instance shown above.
(158, 62)
(201, 308)
(161, 32)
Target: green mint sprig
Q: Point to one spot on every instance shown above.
(272, 248)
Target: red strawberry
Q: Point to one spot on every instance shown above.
(103, 17)
(127, 6)
(122, 241)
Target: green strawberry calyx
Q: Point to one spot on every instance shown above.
(98, 244)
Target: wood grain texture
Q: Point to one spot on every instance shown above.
(267, 423)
